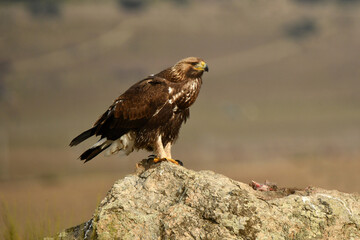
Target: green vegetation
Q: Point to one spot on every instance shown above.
(12, 229)
(9, 229)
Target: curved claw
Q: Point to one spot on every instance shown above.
(179, 162)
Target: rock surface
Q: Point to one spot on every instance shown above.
(166, 201)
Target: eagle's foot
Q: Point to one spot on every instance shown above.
(177, 162)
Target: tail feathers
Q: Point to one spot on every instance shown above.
(92, 152)
(83, 136)
(97, 148)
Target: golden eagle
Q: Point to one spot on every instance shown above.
(149, 114)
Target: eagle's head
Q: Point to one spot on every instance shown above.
(191, 67)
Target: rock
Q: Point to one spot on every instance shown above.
(166, 201)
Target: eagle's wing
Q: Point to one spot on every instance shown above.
(133, 108)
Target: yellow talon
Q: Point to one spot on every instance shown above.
(156, 160)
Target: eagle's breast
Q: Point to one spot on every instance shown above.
(185, 95)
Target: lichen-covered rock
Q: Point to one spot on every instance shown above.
(166, 201)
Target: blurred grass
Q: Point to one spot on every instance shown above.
(9, 229)
(281, 100)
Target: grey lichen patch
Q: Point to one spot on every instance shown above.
(166, 201)
(243, 213)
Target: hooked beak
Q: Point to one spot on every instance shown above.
(206, 68)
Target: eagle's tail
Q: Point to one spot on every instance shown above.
(91, 153)
(83, 136)
(98, 147)
(124, 144)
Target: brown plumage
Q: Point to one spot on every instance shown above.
(149, 114)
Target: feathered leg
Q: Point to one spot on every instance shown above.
(161, 153)
(159, 150)
(168, 150)
(168, 153)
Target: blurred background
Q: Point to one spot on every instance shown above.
(281, 101)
